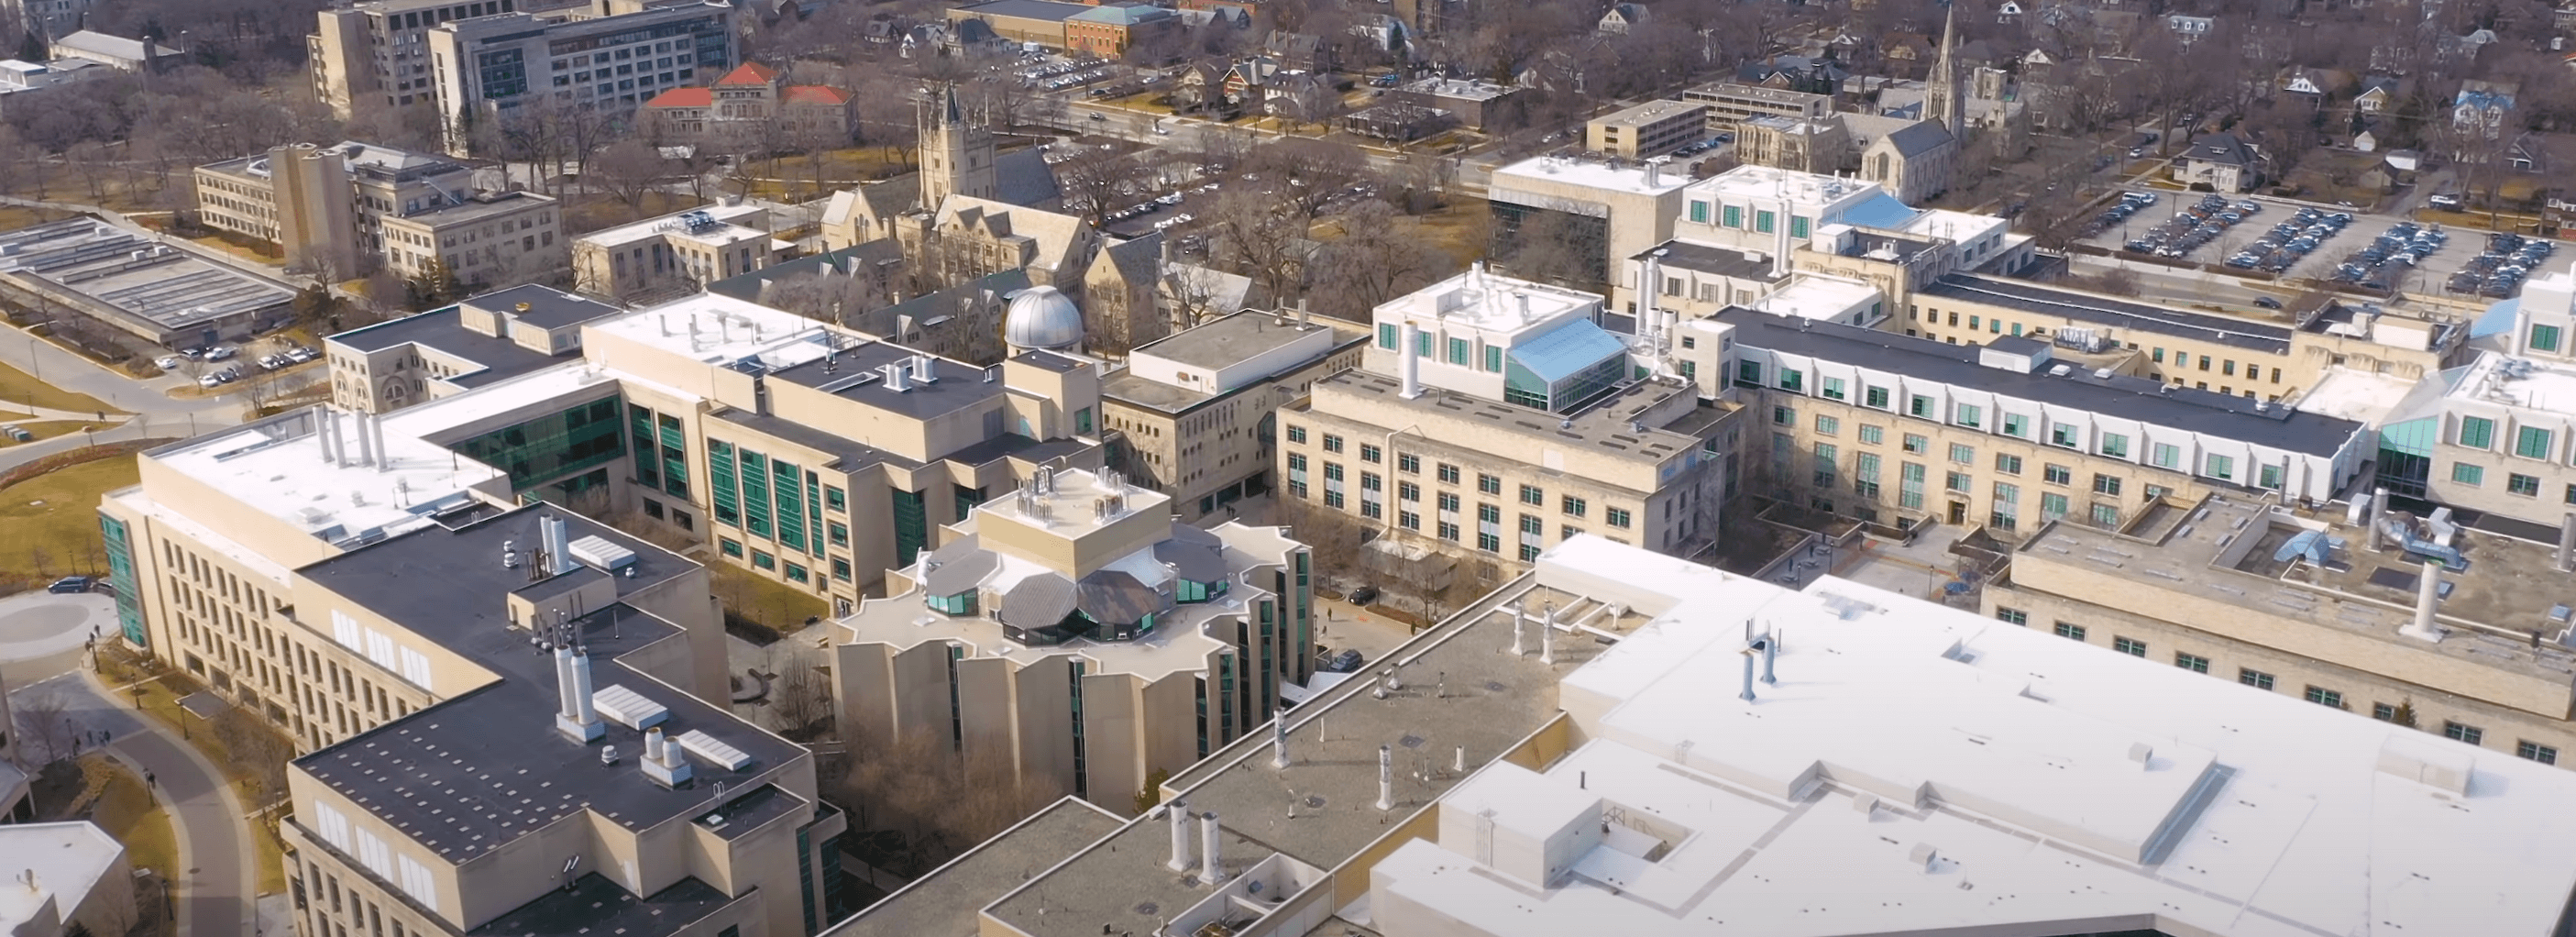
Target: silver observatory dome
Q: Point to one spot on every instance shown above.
(1042, 317)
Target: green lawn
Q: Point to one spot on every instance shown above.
(52, 521)
(127, 811)
(18, 386)
(45, 429)
(765, 600)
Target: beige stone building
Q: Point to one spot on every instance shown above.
(1589, 203)
(1806, 145)
(2217, 586)
(2495, 436)
(1893, 431)
(1196, 411)
(673, 255)
(1492, 418)
(752, 106)
(1646, 130)
(355, 205)
(1076, 633)
(484, 340)
(1730, 103)
(487, 240)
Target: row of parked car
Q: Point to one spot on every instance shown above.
(2193, 226)
(2499, 271)
(2290, 241)
(2396, 251)
(292, 355)
(2130, 203)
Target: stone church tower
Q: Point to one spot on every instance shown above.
(956, 153)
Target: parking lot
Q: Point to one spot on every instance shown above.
(2429, 274)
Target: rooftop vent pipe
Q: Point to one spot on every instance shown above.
(1213, 866)
(557, 544)
(1747, 695)
(2428, 599)
(1279, 738)
(366, 453)
(2567, 544)
(1547, 637)
(1411, 368)
(1520, 623)
(1386, 777)
(664, 762)
(2378, 506)
(1178, 812)
(572, 677)
(384, 456)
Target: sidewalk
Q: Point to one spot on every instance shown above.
(213, 891)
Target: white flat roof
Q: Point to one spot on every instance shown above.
(1592, 173)
(1491, 302)
(1804, 188)
(2024, 784)
(482, 403)
(720, 330)
(2518, 382)
(725, 230)
(278, 467)
(67, 859)
(1956, 226)
(1811, 296)
(2353, 394)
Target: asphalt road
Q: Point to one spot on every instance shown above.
(153, 412)
(212, 888)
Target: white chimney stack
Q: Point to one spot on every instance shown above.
(322, 418)
(1279, 738)
(924, 369)
(366, 452)
(384, 456)
(1178, 812)
(1386, 777)
(1213, 866)
(576, 719)
(557, 545)
(1411, 366)
(1547, 637)
(1520, 623)
(653, 744)
(2378, 506)
(2428, 600)
(1650, 284)
(663, 760)
(1747, 695)
(2567, 544)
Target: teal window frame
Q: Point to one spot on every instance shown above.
(2532, 442)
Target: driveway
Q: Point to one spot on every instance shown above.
(148, 409)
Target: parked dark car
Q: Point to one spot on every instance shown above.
(1364, 595)
(2267, 302)
(1348, 661)
(71, 584)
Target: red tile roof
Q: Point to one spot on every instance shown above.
(683, 97)
(751, 73)
(814, 94)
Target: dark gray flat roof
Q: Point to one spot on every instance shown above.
(2135, 398)
(547, 308)
(2086, 307)
(944, 903)
(1719, 261)
(469, 775)
(1026, 9)
(852, 454)
(1232, 338)
(595, 905)
(959, 386)
(444, 329)
(1048, 360)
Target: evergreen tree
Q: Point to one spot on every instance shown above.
(31, 48)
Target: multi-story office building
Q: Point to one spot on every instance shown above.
(496, 66)
(1195, 412)
(2200, 350)
(1593, 205)
(2458, 633)
(803, 452)
(2496, 436)
(484, 340)
(1077, 633)
(1730, 103)
(1493, 417)
(346, 206)
(1892, 430)
(1645, 130)
(1571, 786)
(676, 253)
(376, 53)
(430, 648)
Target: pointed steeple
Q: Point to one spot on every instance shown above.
(1943, 99)
(955, 114)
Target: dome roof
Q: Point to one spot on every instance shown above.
(1042, 317)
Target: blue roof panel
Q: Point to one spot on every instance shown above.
(1557, 355)
(1880, 211)
(2498, 319)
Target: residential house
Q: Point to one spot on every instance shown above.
(1301, 51)
(2315, 86)
(751, 105)
(133, 55)
(1622, 18)
(1907, 54)
(2190, 28)
(2009, 12)
(2222, 161)
(2481, 108)
(2378, 93)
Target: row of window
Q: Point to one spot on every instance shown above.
(1971, 416)
(2528, 442)
(2515, 483)
(2385, 712)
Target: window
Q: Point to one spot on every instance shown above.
(1916, 444)
(1872, 435)
(1296, 434)
(1408, 491)
(2535, 751)
(2324, 697)
(1386, 335)
(2012, 616)
(2115, 445)
(1408, 463)
(1826, 457)
(1617, 517)
(2193, 663)
(835, 499)
(2268, 476)
(1574, 507)
(1332, 443)
(1448, 473)
(2130, 647)
(1763, 221)
(1969, 415)
(1530, 494)
(2069, 630)
(1369, 453)
(1698, 212)
(2106, 484)
(2057, 474)
(2467, 474)
(1792, 379)
(2383, 712)
(1833, 385)
(1920, 406)
(2525, 485)
(2254, 678)
(2016, 426)
(1963, 454)
(1494, 353)
(2466, 733)
(1297, 474)
(1748, 374)
(2477, 432)
(2167, 455)
(1828, 426)
(2051, 505)
(2008, 464)
(2531, 442)
(2063, 434)
(1732, 216)
(1489, 484)
(2544, 338)
(2222, 468)
(731, 547)
(1783, 416)
(796, 573)
(1459, 349)
(762, 560)
(1875, 397)
(840, 533)
(1959, 482)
